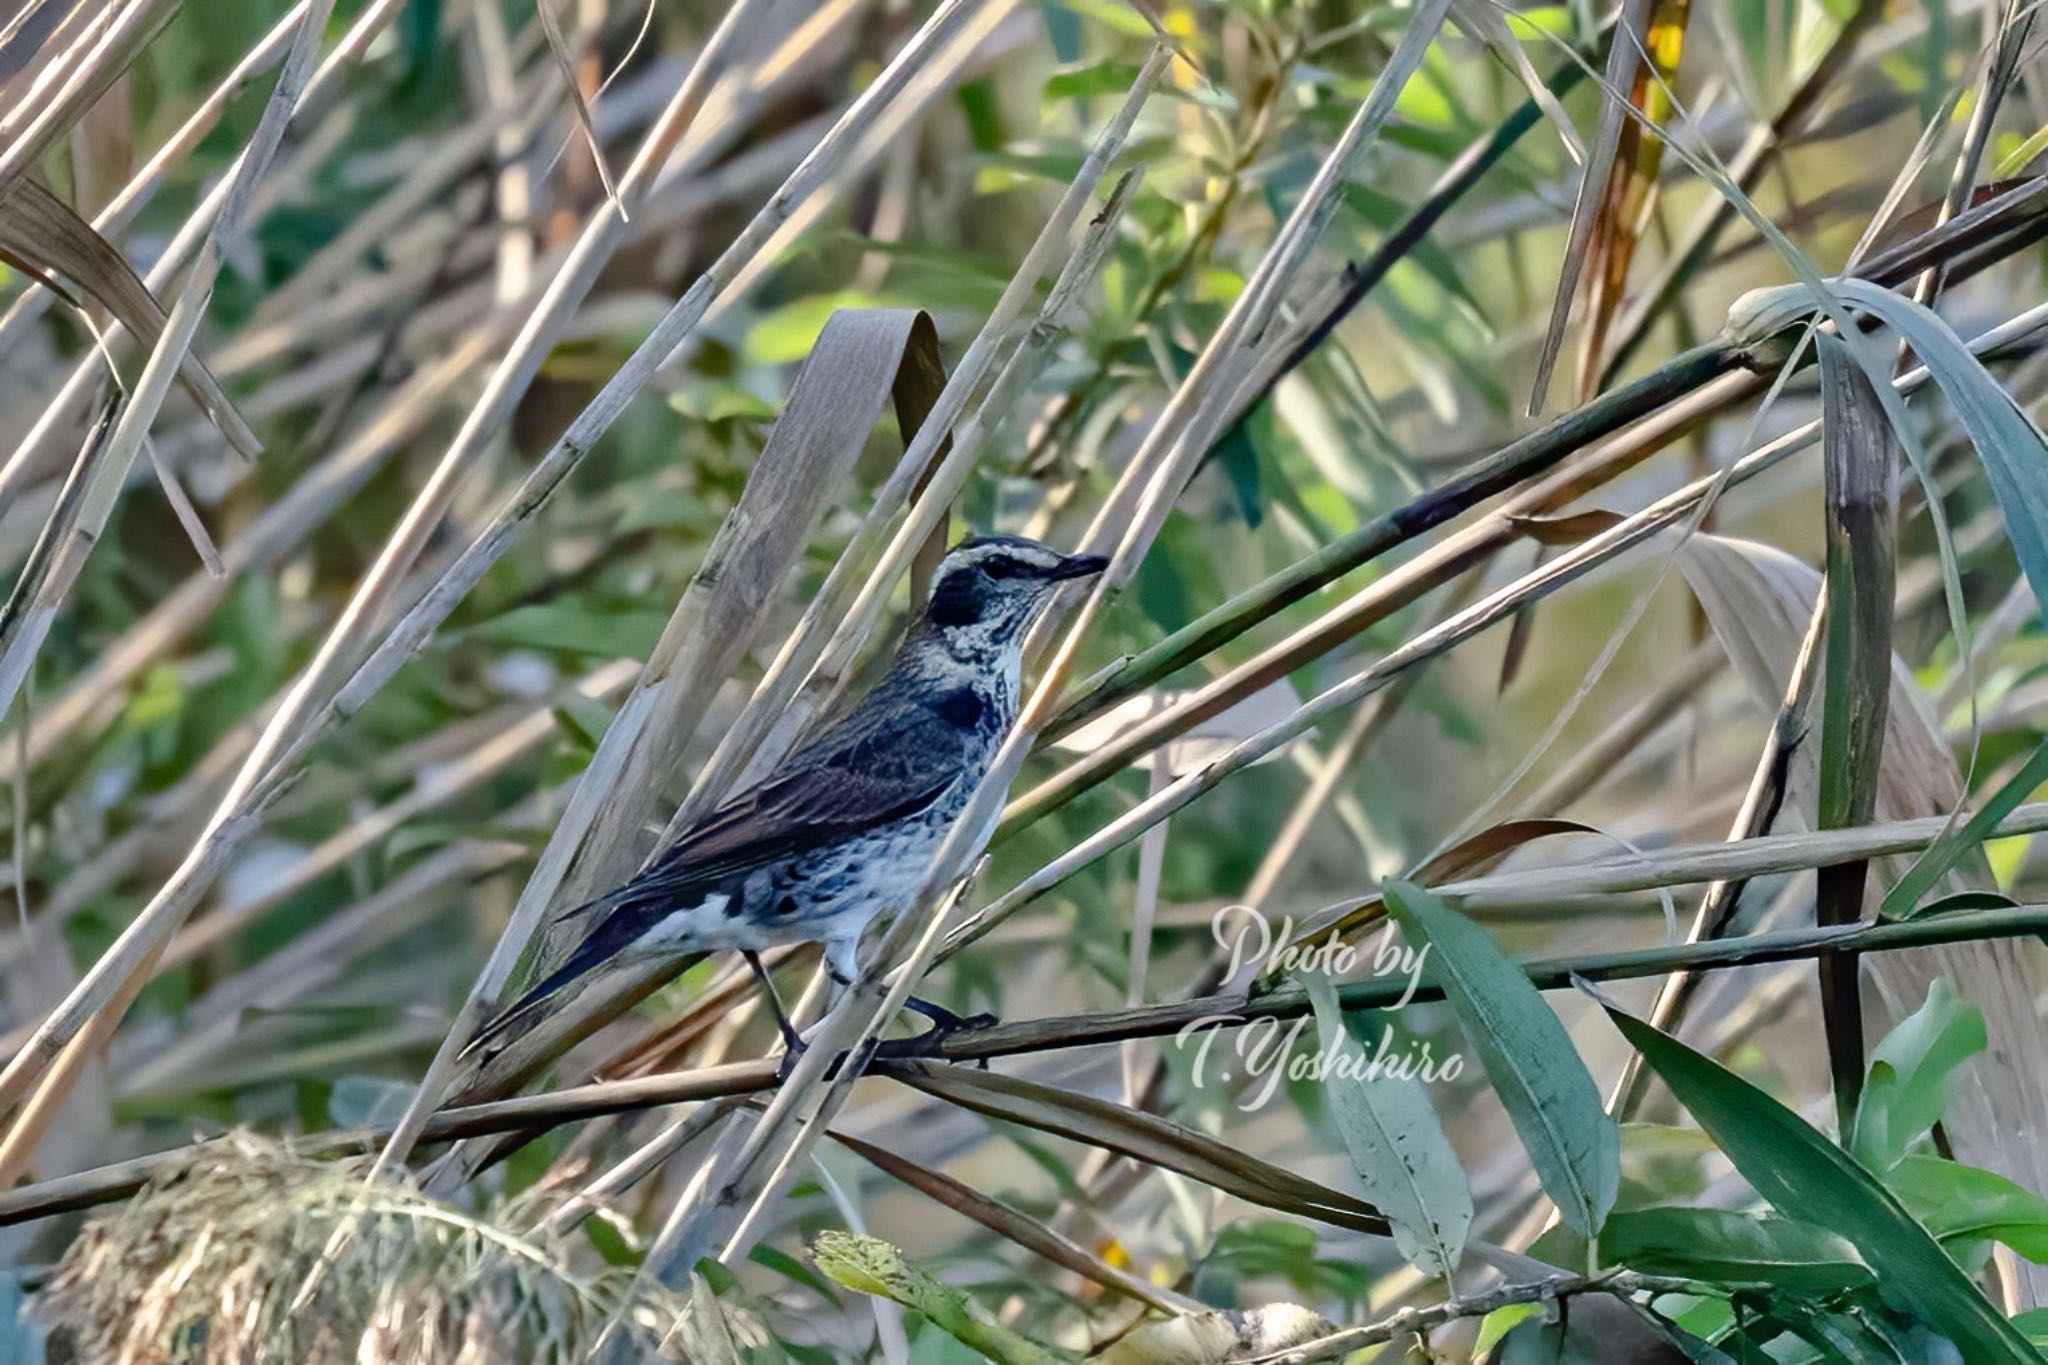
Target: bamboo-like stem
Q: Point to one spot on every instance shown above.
(298, 721)
(1192, 420)
(1686, 381)
(34, 300)
(63, 1058)
(1862, 511)
(108, 1183)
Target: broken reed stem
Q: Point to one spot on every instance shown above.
(23, 463)
(34, 299)
(113, 460)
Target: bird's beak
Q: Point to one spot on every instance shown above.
(1079, 566)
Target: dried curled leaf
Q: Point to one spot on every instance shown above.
(41, 235)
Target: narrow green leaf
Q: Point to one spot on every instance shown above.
(1806, 1176)
(1396, 1144)
(871, 1266)
(2014, 454)
(1965, 1204)
(1544, 1086)
(1725, 1247)
(1856, 691)
(1910, 1073)
(1945, 852)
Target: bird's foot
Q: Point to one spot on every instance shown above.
(945, 1024)
(793, 1047)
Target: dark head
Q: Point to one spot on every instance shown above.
(989, 588)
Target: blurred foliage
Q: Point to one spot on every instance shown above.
(313, 984)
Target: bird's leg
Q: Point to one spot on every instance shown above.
(792, 1041)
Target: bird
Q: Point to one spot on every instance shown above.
(848, 823)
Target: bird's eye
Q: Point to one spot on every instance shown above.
(1002, 568)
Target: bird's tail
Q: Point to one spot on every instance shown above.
(528, 1007)
(589, 955)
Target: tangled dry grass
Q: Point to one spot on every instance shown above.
(232, 1258)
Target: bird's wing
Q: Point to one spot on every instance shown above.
(822, 795)
(883, 762)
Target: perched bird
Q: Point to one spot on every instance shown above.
(846, 825)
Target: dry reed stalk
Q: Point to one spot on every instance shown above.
(736, 1079)
(1453, 553)
(292, 729)
(606, 999)
(122, 446)
(859, 360)
(34, 299)
(1144, 493)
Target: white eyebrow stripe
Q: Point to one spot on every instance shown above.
(1034, 556)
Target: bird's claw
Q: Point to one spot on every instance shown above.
(945, 1024)
(925, 1045)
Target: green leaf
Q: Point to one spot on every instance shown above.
(871, 1266)
(610, 1243)
(787, 333)
(2014, 455)
(1808, 1177)
(1725, 1247)
(1542, 1083)
(1910, 1073)
(1108, 77)
(1595, 1329)
(1965, 1204)
(575, 628)
(1955, 842)
(1397, 1146)
(1499, 1323)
